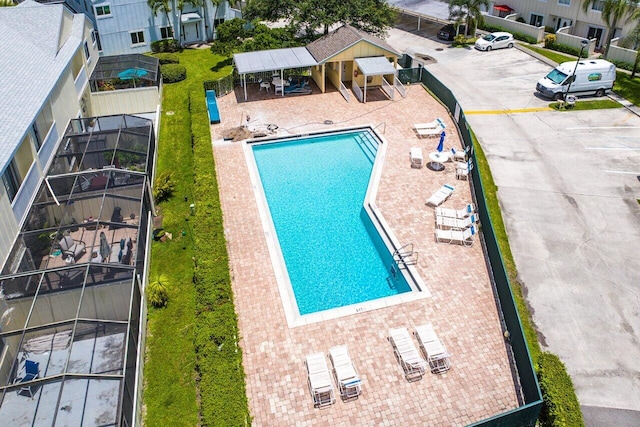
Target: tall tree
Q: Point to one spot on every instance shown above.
(632, 41)
(372, 16)
(614, 12)
(161, 6)
(469, 12)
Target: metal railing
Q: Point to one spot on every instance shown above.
(345, 92)
(387, 88)
(400, 87)
(357, 91)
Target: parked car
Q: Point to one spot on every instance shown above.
(448, 32)
(495, 41)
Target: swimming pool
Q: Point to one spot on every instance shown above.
(315, 189)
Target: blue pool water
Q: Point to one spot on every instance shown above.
(315, 188)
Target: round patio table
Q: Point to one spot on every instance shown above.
(437, 160)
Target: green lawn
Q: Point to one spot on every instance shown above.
(171, 393)
(599, 104)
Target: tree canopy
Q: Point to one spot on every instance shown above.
(238, 35)
(372, 16)
(614, 12)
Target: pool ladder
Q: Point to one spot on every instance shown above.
(405, 256)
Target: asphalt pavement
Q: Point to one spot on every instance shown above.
(568, 185)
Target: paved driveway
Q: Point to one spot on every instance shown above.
(568, 187)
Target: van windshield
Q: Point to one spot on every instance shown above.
(556, 76)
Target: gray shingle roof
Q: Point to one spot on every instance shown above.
(341, 39)
(31, 64)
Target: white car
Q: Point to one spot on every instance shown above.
(495, 41)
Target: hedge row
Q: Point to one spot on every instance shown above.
(172, 73)
(561, 407)
(166, 45)
(518, 36)
(551, 43)
(168, 58)
(223, 398)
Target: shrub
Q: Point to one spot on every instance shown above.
(549, 39)
(157, 293)
(624, 65)
(172, 73)
(166, 45)
(164, 187)
(521, 20)
(168, 58)
(554, 45)
(560, 407)
(460, 40)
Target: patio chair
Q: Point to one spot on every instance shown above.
(441, 195)
(456, 213)
(459, 155)
(27, 372)
(433, 349)
(71, 248)
(459, 223)
(436, 124)
(264, 85)
(417, 161)
(462, 170)
(347, 378)
(412, 363)
(319, 380)
(429, 132)
(456, 236)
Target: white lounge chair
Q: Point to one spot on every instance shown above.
(412, 363)
(459, 223)
(347, 378)
(441, 195)
(437, 123)
(459, 155)
(429, 132)
(456, 236)
(319, 380)
(417, 161)
(456, 213)
(435, 352)
(462, 170)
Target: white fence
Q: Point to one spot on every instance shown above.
(400, 87)
(387, 88)
(621, 54)
(563, 38)
(357, 90)
(125, 101)
(345, 92)
(510, 24)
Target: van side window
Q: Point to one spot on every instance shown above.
(594, 77)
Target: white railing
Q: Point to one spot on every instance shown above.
(345, 92)
(400, 87)
(80, 82)
(357, 90)
(387, 88)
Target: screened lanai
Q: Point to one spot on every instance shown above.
(124, 72)
(71, 299)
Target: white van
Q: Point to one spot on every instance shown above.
(592, 76)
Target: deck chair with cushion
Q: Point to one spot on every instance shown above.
(319, 380)
(412, 363)
(436, 124)
(417, 161)
(459, 223)
(347, 377)
(433, 349)
(28, 371)
(456, 236)
(441, 195)
(456, 213)
(70, 247)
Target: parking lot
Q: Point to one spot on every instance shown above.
(568, 187)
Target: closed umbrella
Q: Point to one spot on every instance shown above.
(441, 143)
(105, 249)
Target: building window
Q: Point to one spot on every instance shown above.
(597, 5)
(98, 41)
(166, 32)
(87, 53)
(218, 21)
(137, 37)
(103, 11)
(42, 125)
(536, 20)
(11, 181)
(93, 37)
(564, 2)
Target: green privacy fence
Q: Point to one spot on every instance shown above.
(527, 413)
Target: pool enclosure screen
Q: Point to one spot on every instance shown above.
(124, 72)
(71, 300)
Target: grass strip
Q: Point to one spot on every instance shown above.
(601, 104)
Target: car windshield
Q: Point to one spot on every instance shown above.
(556, 76)
(489, 37)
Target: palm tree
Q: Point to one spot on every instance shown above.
(468, 11)
(614, 12)
(161, 6)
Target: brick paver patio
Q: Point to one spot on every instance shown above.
(462, 307)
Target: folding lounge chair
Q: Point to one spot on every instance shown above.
(319, 380)
(441, 195)
(459, 223)
(436, 124)
(27, 372)
(456, 213)
(429, 132)
(462, 170)
(417, 160)
(455, 236)
(412, 363)
(433, 349)
(345, 371)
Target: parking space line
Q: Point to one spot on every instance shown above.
(601, 127)
(623, 172)
(521, 110)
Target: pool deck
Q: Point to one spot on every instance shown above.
(462, 307)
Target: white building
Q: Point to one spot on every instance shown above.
(129, 26)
